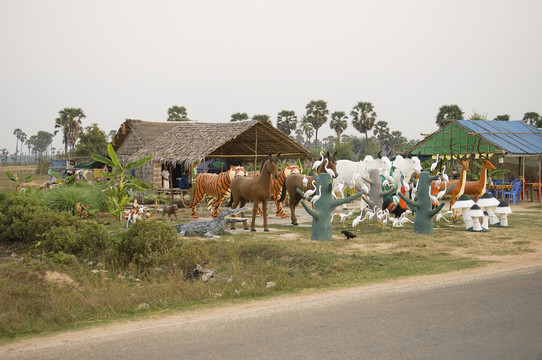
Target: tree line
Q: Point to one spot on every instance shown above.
(82, 141)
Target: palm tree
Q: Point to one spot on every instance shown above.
(22, 139)
(239, 117)
(306, 128)
(363, 118)
(338, 123)
(69, 122)
(177, 113)
(286, 121)
(17, 132)
(381, 131)
(317, 113)
(448, 112)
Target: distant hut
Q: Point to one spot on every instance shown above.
(190, 144)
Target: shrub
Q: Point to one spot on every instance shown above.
(66, 196)
(83, 238)
(145, 243)
(17, 213)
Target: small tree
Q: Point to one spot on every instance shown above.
(504, 117)
(177, 113)
(239, 117)
(262, 117)
(119, 182)
(448, 112)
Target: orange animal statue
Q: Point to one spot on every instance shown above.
(459, 187)
(478, 188)
(256, 189)
(306, 183)
(215, 185)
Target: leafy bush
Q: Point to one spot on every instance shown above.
(83, 238)
(24, 218)
(145, 243)
(66, 196)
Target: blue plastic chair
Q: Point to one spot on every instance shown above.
(496, 192)
(514, 193)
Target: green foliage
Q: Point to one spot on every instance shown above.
(119, 183)
(449, 112)
(91, 141)
(239, 117)
(82, 238)
(177, 113)
(20, 219)
(145, 243)
(65, 197)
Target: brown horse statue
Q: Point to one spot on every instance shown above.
(256, 189)
(306, 183)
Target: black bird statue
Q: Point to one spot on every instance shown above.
(348, 234)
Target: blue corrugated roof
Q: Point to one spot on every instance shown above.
(514, 137)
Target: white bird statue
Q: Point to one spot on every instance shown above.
(317, 163)
(305, 181)
(310, 191)
(434, 165)
(316, 197)
(346, 216)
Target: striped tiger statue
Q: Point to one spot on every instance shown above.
(276, 186)
(215, 185)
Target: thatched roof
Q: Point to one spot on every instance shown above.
(190, 142)
(146, 131)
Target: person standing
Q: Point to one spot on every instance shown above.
(165, 178)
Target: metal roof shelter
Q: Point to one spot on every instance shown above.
(511, 139)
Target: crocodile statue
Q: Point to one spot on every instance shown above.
(210, 228)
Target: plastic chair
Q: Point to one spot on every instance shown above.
(525, 190)
(496, 192)
(514, 193)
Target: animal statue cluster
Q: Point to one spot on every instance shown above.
(210, 228)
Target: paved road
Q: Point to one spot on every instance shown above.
(495, 317)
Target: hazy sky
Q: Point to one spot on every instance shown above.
(135, 59)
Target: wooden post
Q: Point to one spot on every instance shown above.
(256, 149)
(171, 181)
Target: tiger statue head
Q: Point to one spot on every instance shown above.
(236, 171)
(291, 169)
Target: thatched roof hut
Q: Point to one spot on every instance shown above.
(191, 142)
(143, 133)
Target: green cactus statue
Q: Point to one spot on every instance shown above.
(324, 205)
(423, 222)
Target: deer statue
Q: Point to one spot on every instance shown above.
(478, 188)
(459, 188)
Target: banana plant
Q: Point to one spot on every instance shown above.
(119, 183)
(18, 182)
